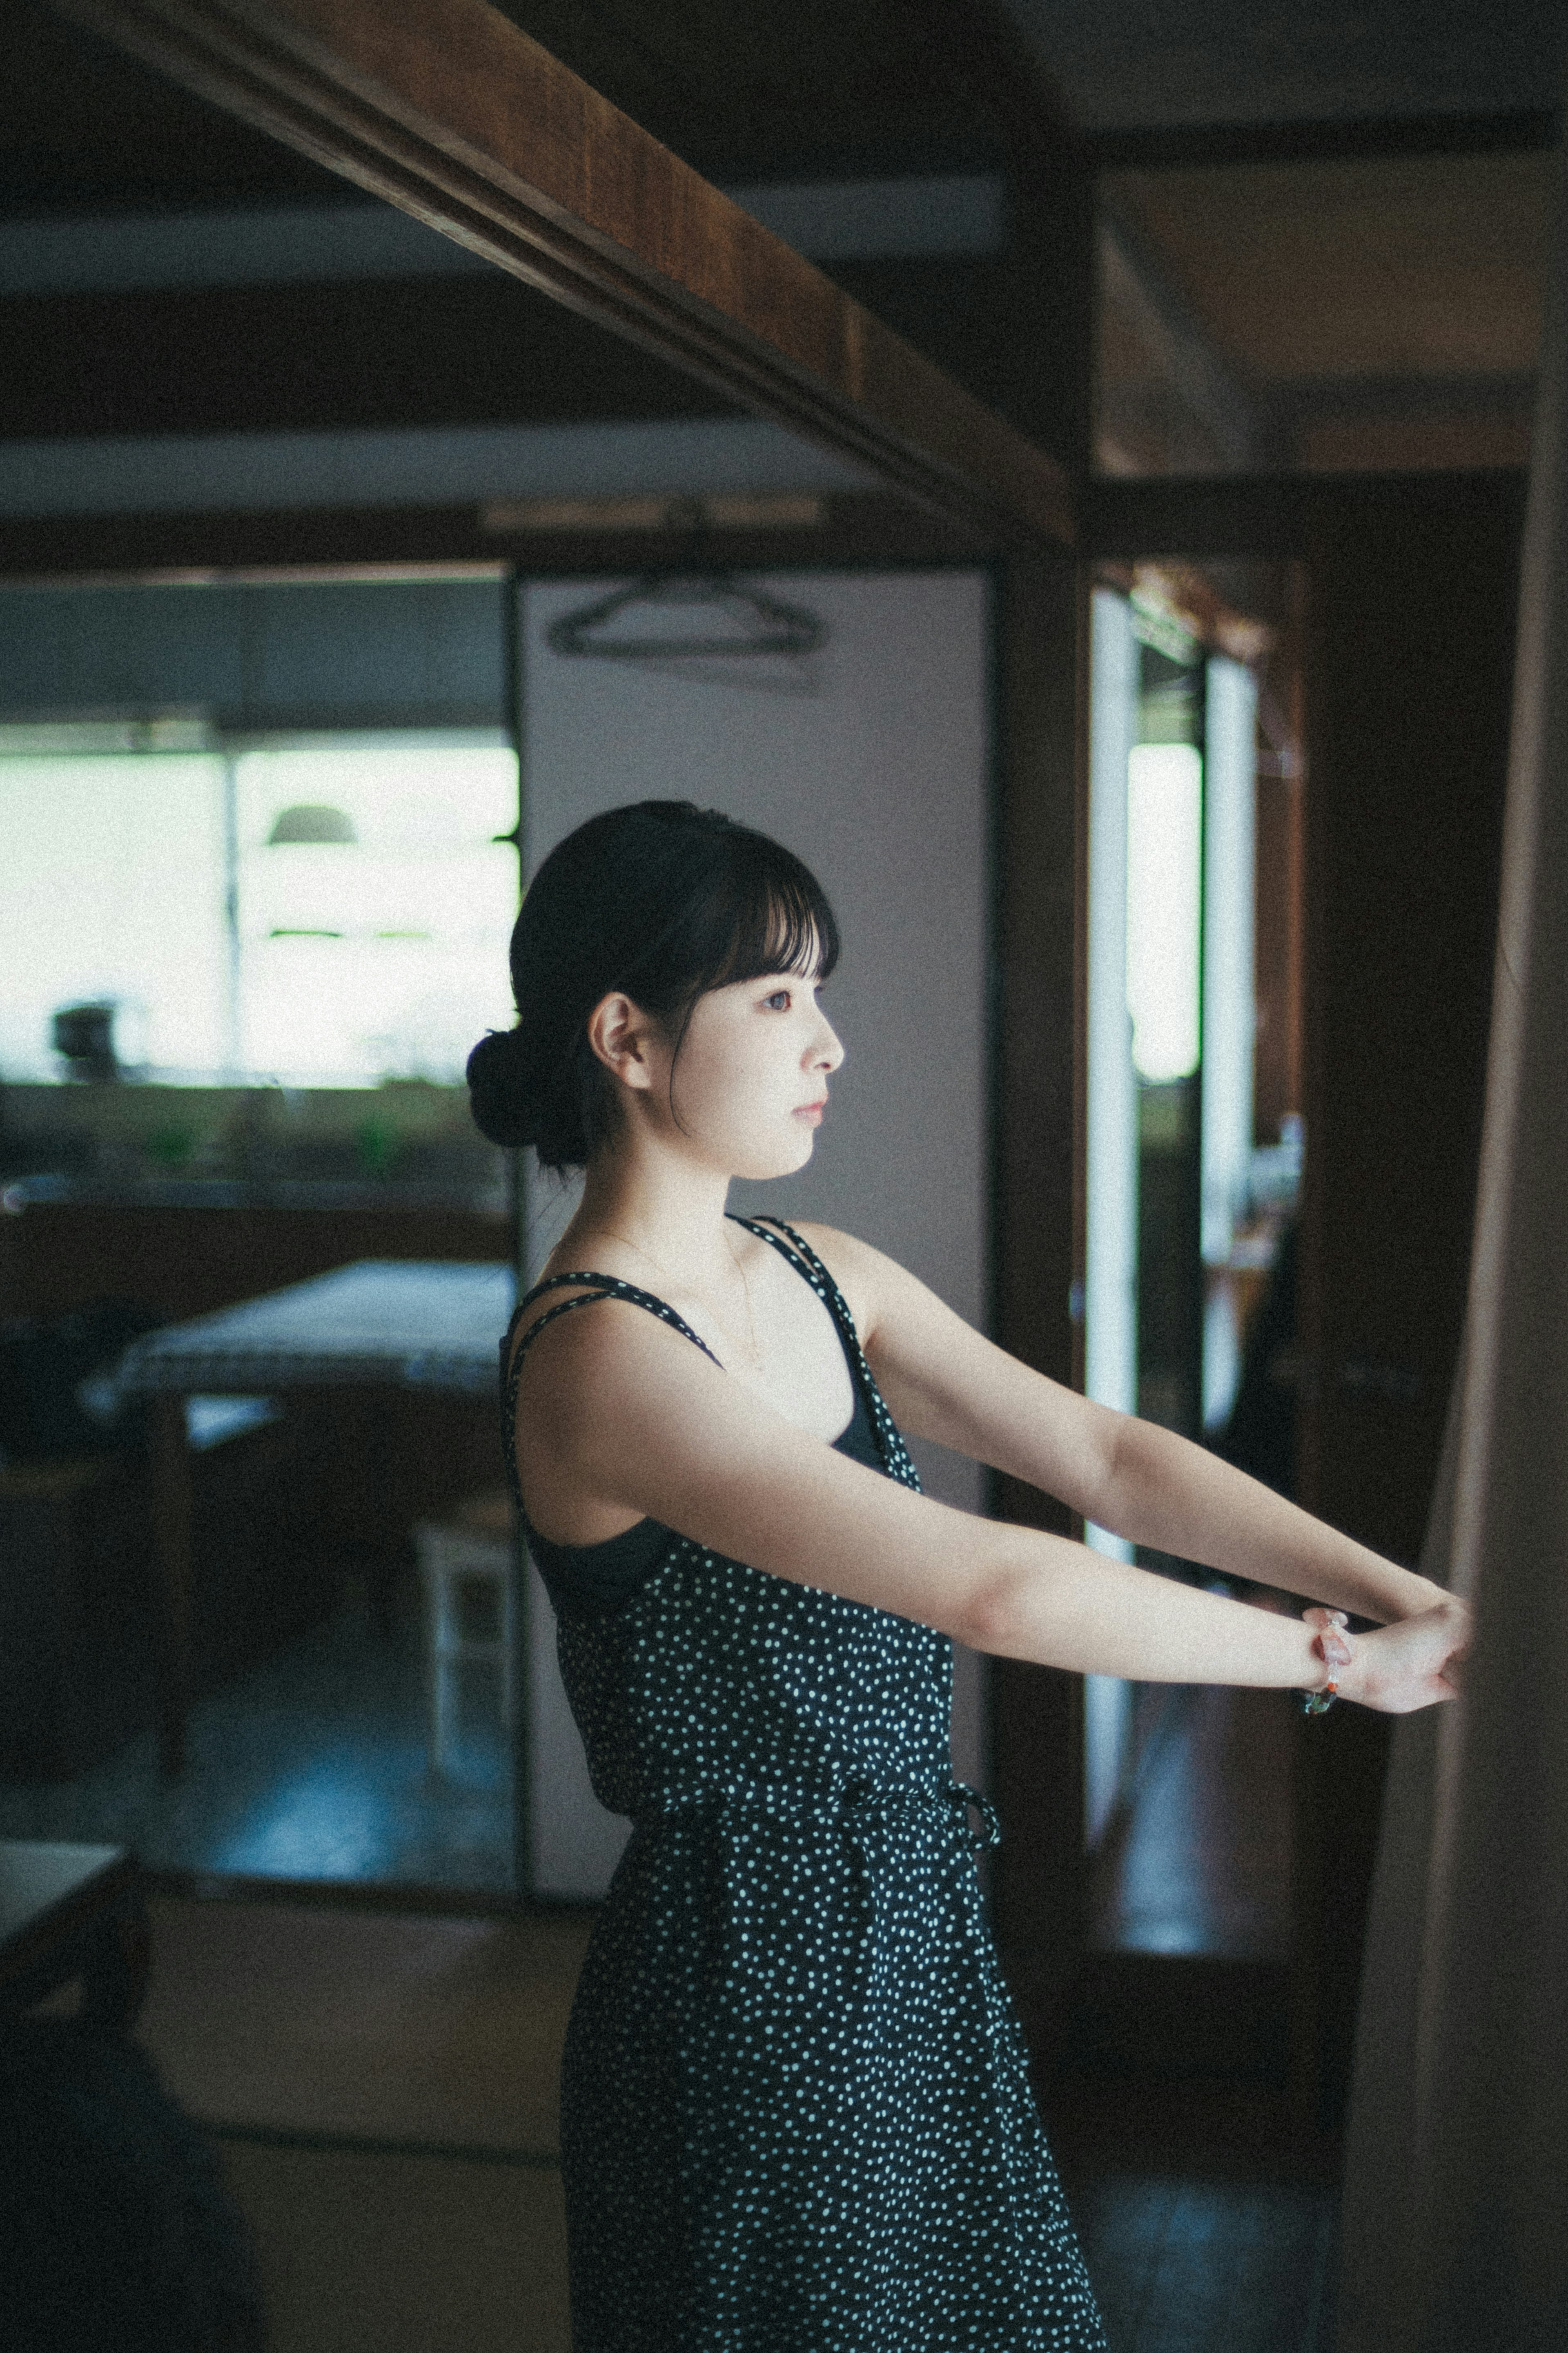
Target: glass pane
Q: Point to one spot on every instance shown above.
(1193, 953)
(1164, 913)
(112, 893)
(374, 908)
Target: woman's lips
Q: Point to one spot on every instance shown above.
(811, 1111)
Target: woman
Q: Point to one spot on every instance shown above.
(795, 2116)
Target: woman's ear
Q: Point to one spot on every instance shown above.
(621, 1035)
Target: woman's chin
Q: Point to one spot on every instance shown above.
(761, 1168)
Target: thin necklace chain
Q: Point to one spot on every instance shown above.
(626, 1243)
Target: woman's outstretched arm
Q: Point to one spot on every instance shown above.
(618, 1408)
(945, 1381)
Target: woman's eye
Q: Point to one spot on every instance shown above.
(779, 1002)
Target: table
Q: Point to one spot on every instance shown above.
(401, 1323)
(73, 1911)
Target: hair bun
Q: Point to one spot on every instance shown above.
(497, 1088)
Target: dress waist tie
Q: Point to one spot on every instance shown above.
(856, 1801)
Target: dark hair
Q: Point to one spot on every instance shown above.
(663, 901)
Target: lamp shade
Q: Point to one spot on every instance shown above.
(312, 821)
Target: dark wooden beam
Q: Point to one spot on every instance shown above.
(1270, 517)
(445, 109)
(1044, 330)
(479, 350)
(836, 88)
(860, 530)
(1188, 146)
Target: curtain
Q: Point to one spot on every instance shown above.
(1455, 2222)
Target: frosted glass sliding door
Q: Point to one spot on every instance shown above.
(1229, 1010)
(1110, 1266)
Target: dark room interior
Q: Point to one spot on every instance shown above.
(1117, 394)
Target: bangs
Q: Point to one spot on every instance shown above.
(768, 913)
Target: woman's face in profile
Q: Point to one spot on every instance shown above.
(750, 1078)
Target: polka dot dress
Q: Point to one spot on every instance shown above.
(795, 2111)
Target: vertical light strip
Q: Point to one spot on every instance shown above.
(231, 1020)
(1110, 1265)
(1111, 1315)
(1229, 1003)
(1229, 1017)
(1165, 907)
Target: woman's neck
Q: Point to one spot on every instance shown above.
(670, 1211)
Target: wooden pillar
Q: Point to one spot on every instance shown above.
(1413, 589)
(1037, 1247)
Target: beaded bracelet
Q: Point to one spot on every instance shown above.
(1319, 1702)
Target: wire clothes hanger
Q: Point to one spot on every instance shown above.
(755, 622)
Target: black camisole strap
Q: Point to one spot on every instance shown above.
(597, 1286)
(797, 1252)
(792, 1247)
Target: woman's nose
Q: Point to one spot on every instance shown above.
(829, 1052)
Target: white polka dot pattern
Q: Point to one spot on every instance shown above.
(795, 2107)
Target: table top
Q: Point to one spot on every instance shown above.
(416, 1323)
(38, 1879)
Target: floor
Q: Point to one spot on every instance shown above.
(1193, 2266)
(378, 2249)
(382, 2091)
(311, 1766)
(382, 2088)
(1198, 1860)
(1193, 2246)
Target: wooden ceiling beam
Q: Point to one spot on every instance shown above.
(366, 354)
(855, 530)
(445, 109)
(1184, 147)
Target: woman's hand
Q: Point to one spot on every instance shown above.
(1410, 1664)
(1420, 1594)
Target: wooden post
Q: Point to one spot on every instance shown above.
(1414, 591)
(1037, 1712)
(170, 1463)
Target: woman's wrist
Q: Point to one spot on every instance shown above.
(1331, 1652)
(1394, 1593)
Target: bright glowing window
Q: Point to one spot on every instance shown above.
(382, 954)
(1164, 907)
(325, 914)
(112, 873)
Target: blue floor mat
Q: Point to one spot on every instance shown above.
(312, 1766)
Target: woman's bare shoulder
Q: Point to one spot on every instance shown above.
(862, 1273)
(608, 1365)
(581, 1346)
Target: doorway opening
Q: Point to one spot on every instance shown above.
(1194, 1149)
(255, 898)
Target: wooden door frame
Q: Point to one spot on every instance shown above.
(1339, 1765)
(447, 111)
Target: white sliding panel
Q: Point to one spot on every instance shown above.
(870, 760)
(1110, 1266)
